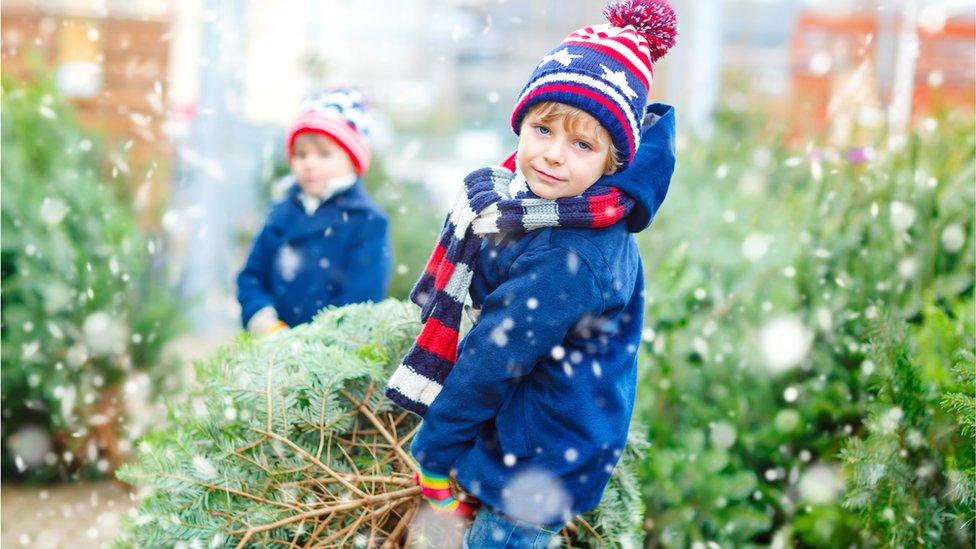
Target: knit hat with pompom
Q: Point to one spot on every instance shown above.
(341, 115)
(606, 70)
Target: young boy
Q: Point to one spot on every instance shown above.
(531, 411)
(326, 243)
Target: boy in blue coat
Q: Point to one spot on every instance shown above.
(326, 243)
(531, 411)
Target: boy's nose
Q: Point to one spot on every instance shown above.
(554, 153)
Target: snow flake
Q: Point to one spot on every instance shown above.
(722, 435)
(535, 496)
(755, 246)
(784, 342)
(888, 422)
(204, 468)
(104, 334)
(289, 261)
(902, 215)
(499, 334)
(572, 262)
(53, 210)
(29, 445)
(953, 237)
(787, 421)
(820, 63)
(558, 352)
(907, 268)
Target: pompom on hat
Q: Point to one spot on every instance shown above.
(341, 115)
(606, 70)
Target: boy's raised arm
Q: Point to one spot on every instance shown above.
(522, 321)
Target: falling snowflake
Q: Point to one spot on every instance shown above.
(535, 496)
(104, 334)
(784, 342)
(53, 210)
(29, 445)
(722, 435)
(572, 262)
(953, 238)
(787, 421)
(499, 334)
(902, 216)
(755, 246)
(289, 261)
(819, 484)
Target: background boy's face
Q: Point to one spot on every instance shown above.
(317, 160)
(559, 161)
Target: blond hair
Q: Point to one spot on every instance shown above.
(576, 121)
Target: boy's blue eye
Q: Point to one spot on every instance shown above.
(542, 129)
(583, 145)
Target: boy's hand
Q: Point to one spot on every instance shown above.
(265, 322)
(436, 489)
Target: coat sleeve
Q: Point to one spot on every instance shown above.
(522, 322)
(366, 271)
(254, 280)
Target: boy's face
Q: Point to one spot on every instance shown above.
(558, 160)
(317, 160)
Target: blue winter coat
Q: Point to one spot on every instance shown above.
(535, 413)
(300, 263)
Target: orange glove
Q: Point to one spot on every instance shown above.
(278, 326)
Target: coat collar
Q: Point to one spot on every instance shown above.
(294, 223)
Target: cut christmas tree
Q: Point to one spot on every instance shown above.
(288, 439)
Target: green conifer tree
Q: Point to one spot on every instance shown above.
(289, 439)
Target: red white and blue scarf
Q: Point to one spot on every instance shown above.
(494, 200)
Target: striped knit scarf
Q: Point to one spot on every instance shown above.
(494, 200)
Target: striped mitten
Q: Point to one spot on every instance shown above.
(436, 489)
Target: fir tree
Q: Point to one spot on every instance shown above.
(84, 318)
(897, 480)
(288, 439)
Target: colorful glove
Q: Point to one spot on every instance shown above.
(437, 491)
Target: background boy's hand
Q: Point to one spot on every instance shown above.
(265, 322)
(436, 489)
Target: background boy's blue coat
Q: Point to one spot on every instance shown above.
(301, 263)
(540, 399)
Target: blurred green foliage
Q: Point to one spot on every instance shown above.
(83, 311)
(767, 272)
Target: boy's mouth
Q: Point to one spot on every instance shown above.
(548, 178)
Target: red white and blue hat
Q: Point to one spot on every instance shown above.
(340, 114)
(606, 70)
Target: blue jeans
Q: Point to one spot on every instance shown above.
(493, 530)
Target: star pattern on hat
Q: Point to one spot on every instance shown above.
(346, 103)
(562, 56)
(619, 79)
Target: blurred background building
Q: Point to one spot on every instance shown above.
(193, 95)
